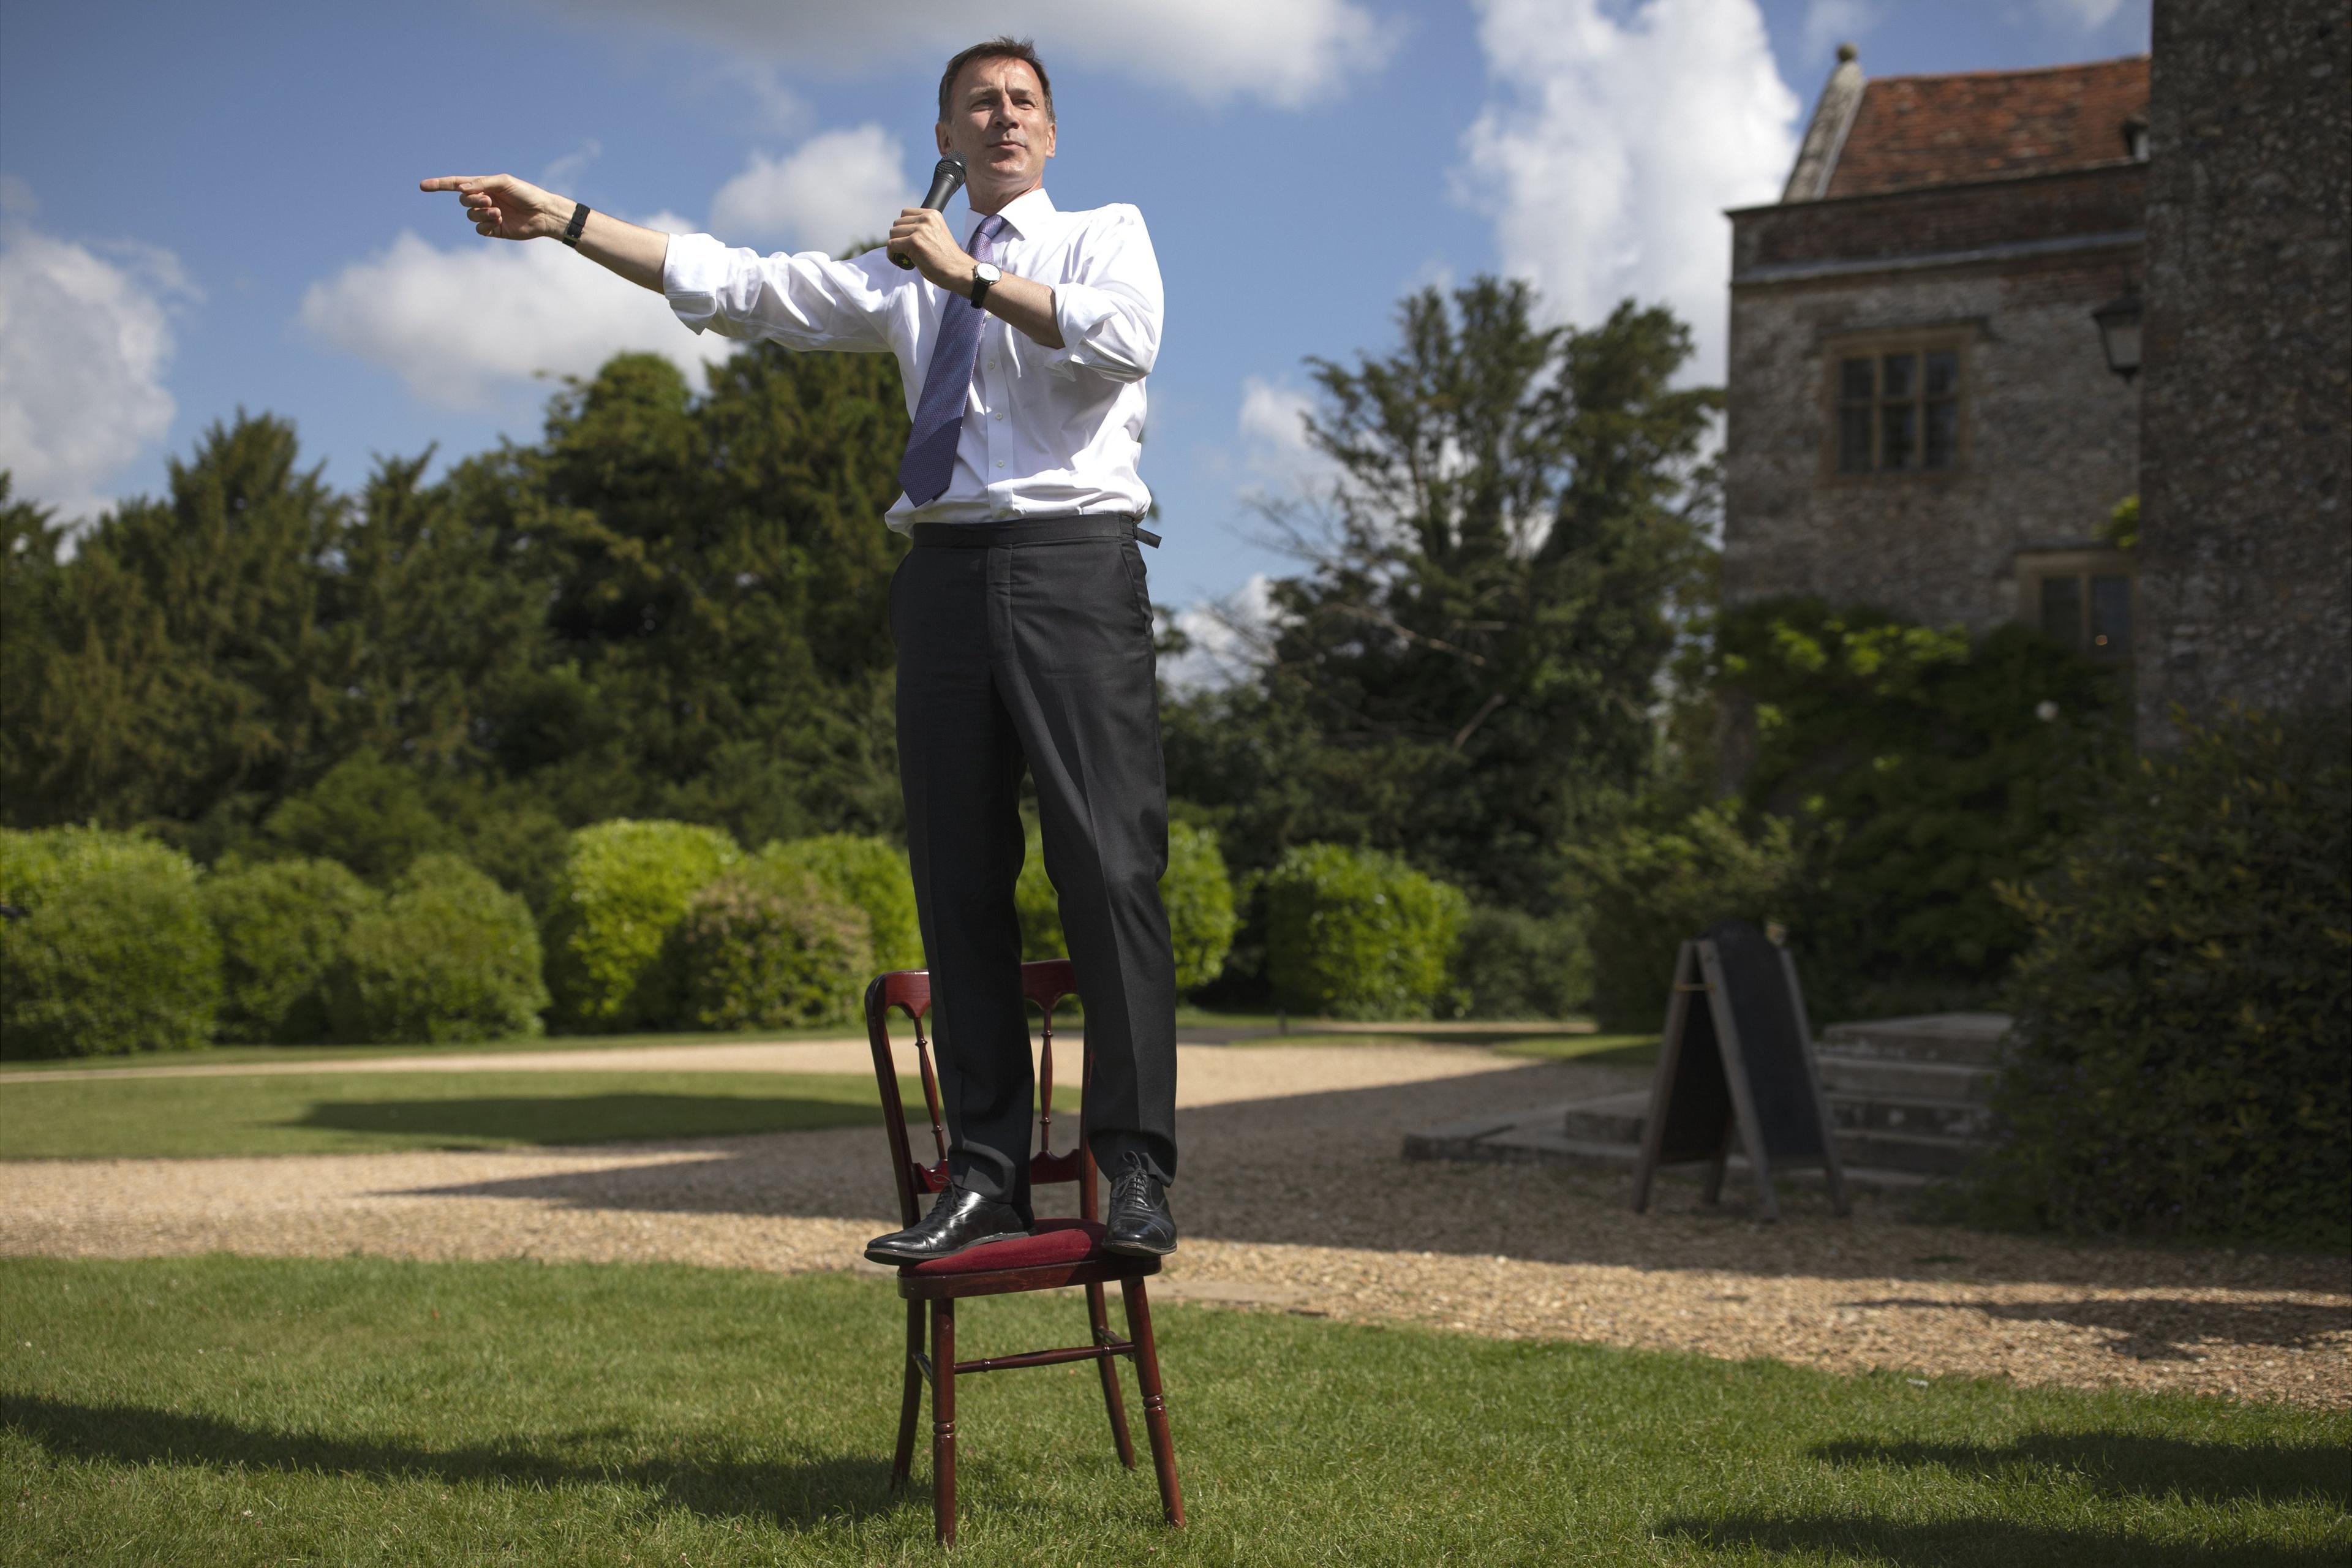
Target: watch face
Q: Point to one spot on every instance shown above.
(987, 270)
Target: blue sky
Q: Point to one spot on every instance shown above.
(214, 207)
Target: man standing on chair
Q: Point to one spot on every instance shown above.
(1023, 624)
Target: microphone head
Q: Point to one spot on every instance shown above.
(947, 179)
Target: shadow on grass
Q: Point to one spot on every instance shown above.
(788, 1494)
(2127, 1463)
(587, 1118)
(1995, 1543)
(2156, 1328)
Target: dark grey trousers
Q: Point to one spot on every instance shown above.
(1029, 644)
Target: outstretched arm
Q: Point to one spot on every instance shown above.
(504, 208)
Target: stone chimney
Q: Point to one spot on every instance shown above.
(1833, 118)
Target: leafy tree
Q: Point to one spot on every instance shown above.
(185, 661)
(1469, 660)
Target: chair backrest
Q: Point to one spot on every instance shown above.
(1047, 985)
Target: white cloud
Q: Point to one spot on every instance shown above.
(1286, 52)
(1829, 23)
(459, 327)
(1274, 437)
(1614, 142)
(85, 342)
(1231, 637)
(2087, 15)
(836, 188)
(560, 174)
(782, 111)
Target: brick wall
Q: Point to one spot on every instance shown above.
(2052, 439)
(2054, 434)
(2247, 433)
(2025, 210)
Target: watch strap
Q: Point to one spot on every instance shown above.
(579, 221)
(981, 284)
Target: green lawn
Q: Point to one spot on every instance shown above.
(326, 1114)
(1618, 1050)
(239, 1056)
(218, 1410)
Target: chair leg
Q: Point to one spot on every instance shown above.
(1113, 1401)
(943, 1434)
(1155, 1407)
(910, 1403)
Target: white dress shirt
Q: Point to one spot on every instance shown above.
(1046, 432)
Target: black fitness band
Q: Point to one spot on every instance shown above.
(579, 221)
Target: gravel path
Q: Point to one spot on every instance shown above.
(1292, 1198)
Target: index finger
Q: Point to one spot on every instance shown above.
(448, 182)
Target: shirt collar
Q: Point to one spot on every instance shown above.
(1028, 216)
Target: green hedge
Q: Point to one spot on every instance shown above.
(871, 875)
(2184, 1015)
(283, 926)
(1644, 890)
(1355, 933)
(1196, 890)
(623, 885)
(116, 954)
(1512, 964)
(770, 946)
(450, 956)
(1920, 767)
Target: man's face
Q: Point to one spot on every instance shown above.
(996, 119)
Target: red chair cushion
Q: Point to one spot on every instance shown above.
(1059, 1240)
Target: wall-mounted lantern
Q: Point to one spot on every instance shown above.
(2119, 334)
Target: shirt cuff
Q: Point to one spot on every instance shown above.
(1078, 310)
(692, 275)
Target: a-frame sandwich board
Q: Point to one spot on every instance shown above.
(1739, 1066)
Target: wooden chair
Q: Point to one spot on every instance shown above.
(1062, 1252)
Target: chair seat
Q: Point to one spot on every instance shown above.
(1058, 1240)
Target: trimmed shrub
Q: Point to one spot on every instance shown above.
(115, 954)
(281, 926)
(1511, 964)
(870, 874)
(1355, 933)
(2184, 1016)
(1920, 767)
(623, 885)
(1196, 890)
(771, 946)
(450, 956)
(1648, 890)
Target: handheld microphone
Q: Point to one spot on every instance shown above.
(946, 180)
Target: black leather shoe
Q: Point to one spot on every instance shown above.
(961, 1218)
(1139, 1225)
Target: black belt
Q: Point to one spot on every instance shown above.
(1071, 529)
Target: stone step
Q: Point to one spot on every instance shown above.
(1611, 1119)
(1881, 1078)
(1538, 1141)
(1618, 1118)
(1973, 1038)
(1937, 1118)
(1919, 1151)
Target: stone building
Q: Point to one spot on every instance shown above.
(2246, 449)
(1921, 414)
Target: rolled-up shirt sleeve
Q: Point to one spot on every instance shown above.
(808, 300)
(1110, 315)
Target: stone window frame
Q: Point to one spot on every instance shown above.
(1959, 337)
(2035, 567)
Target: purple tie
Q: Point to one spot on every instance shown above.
(938, 414)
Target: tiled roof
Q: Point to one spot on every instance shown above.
(1933, 129)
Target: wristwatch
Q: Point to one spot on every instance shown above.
(985, 275)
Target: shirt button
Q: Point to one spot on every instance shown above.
(1000, 462)
(1000, 413)
(991, 365)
